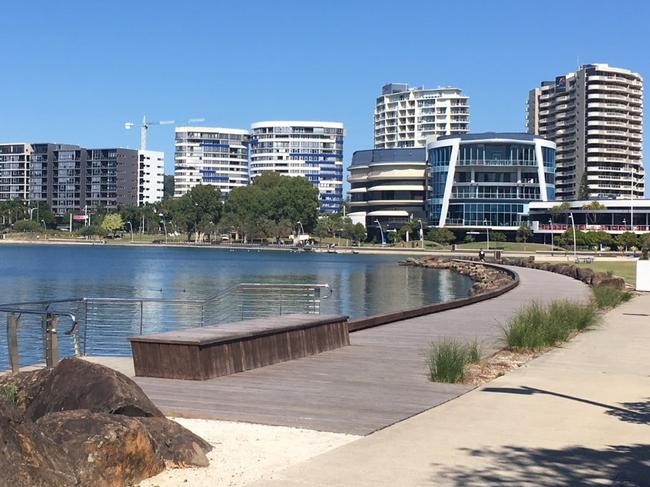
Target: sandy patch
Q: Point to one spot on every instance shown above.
(245, 452)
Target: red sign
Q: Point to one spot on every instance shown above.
(79, 217)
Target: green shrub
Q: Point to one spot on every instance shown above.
(448, 358)
(539, 326)
(608, 297)
(10, 392)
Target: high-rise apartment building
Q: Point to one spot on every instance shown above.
(210, 155)
(151, 176)
(14, 171)
(595, 117)
(70, 177)
(313, 150)
(407, 116)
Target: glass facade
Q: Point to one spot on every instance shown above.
(493, 181)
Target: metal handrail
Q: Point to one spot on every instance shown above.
(101, 325)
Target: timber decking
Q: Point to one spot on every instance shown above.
(215, 351)
(376, 381)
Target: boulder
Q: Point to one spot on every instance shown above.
(176, 445)
(105, 450)
(613, 281)
(78, 384)
(28, 458)
(585, 274)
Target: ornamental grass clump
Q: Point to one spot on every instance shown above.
(608, 297)
(448, 358)
(538, 326)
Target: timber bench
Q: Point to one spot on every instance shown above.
(584, 260)
(214, 351)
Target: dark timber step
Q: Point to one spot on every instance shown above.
(215, 351)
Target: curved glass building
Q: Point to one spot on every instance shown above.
(387, 186)
(488, 179)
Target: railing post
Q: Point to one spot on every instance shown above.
(86, 323)
(141, 314)
(12, 342)
(52, 341)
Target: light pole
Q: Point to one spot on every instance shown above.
(302, 229)
(573, 226)
(131, 229)
(550, 222)
(381, 231)
(421, 233)
(31, 212)
(44, 225)
(487, 233)
(164, 225)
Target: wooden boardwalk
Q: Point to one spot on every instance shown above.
(378, 380)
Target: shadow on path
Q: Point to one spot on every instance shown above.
(631, 412)
(619, 465)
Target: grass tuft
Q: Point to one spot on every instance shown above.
(538, 326)
(608, 297)
(448, 358)
(9, 392)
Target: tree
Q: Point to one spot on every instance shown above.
(197, 212)
(626, 240)
(443, 236)
(168, 186)
(26, 226)
(562, 207)
(498, 237)
(524, 233)
(112, 222)
(276, 198)
(468, 238)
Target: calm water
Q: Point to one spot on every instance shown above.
(363, 284)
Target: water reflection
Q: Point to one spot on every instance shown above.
(363, 284)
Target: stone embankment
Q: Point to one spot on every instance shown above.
(486, 278)
(85, 424)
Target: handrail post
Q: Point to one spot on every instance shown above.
(12, 342)
(52, 341)
(141, 314)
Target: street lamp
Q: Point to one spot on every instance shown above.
(573, 226)
(131, 229)
(487, 233)
(550, 222)
(381, 231)
(421, 233)
(31, 212)
(302, 229)
(164, 225)
(44, 225)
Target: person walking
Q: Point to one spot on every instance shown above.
(481, 255)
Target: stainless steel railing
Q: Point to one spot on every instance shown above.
(101, 326)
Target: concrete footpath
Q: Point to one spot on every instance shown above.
(579, 415)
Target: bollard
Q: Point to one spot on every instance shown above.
(12, 342)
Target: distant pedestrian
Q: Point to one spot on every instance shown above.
(481, 255)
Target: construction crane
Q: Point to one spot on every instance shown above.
(144, 127)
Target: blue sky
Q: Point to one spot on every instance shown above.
(75, 71)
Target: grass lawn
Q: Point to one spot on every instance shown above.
(505, 246)
(624, 269)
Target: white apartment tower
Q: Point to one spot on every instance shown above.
(407, 116)
(313, 150)
(151, 176)
(210, 155)
(595, 118)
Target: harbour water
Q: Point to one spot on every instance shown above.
(363, 284)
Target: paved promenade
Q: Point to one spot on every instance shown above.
(377, 381)
(579, 415)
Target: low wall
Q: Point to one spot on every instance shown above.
(383, 319)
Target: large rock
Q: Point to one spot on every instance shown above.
(105, 450)
(28, 458)
(177, 446)
(26, 384)
(78, 384)
(585, 274)
(612, 281)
